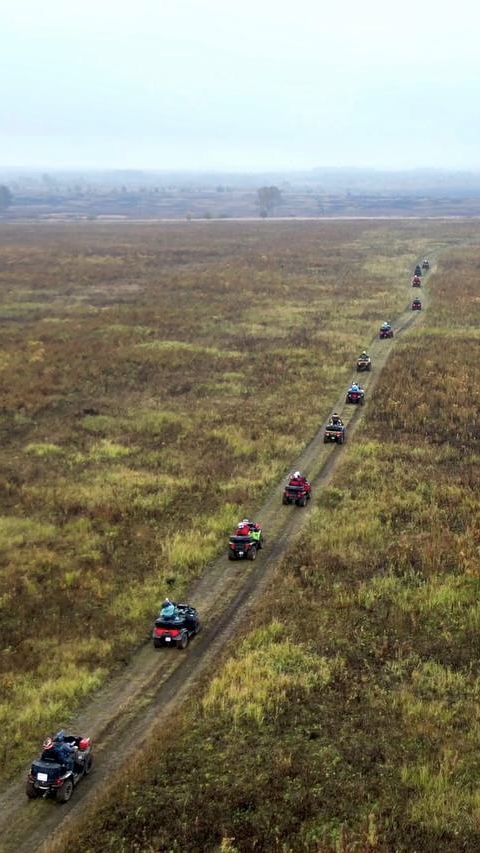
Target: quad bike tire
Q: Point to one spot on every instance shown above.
(31, 791)
(65, 792)
(88, 765)
(302, 501)
(183, 643)
(252, 554)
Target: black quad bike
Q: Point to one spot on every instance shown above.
(335, 434)
(176, 630)
(50, 778)
(245, 547)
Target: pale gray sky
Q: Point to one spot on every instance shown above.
(213, 84)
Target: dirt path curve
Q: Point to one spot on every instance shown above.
(153, 684)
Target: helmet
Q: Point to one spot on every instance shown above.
(364, 352)
(59, 737)
(246, 521)
(297, 474)
(166, 603)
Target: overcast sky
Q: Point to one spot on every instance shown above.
(239, 84)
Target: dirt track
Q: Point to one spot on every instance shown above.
(152, 685)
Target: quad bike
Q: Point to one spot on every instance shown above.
(297, 493)
(241, 546)
(335, 433)
(178, 629)
(357, 398)
(50, 777)
(364, 363)
(385, 332)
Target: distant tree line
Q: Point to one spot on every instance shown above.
(267, 199)
(6, 197)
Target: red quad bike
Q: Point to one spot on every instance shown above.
(297, 492)
(416, 305)
(49, 778)
(357, 398)
(416, 281)
(385, 332)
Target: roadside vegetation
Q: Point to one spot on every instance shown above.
(346, 717)
(154, 383)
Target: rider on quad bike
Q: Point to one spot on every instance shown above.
(386, 330)
(336, 420)
(364, 362)
(56, 749)
(355, 394)
(297, 479)
(249, 528)
(243, 528)
(169, 609)
(297, 490)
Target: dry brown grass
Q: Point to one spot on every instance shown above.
(382, 593)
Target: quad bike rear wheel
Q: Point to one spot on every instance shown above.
(65, 792)
(31, 791)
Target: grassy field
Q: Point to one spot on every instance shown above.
(154, 382)
(346, 718)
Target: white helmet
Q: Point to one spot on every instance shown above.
(297, 474)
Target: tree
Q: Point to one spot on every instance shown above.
(267, 199)
(6, 197)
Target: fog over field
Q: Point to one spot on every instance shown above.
(209, 85)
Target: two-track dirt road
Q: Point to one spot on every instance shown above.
(149, 690)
